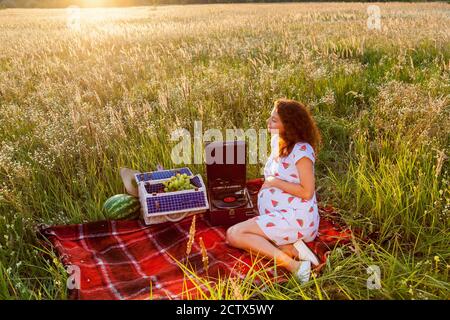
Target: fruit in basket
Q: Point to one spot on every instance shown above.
(178, 182)
(121, 206)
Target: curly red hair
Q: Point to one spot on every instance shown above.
(299, 126)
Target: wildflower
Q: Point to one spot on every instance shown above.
(56, 262)
(329, 97)
(436, 260)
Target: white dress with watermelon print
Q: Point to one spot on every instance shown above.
(285, 218)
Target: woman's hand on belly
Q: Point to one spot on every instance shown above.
(269, 182)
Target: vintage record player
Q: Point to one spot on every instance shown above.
(229, 199)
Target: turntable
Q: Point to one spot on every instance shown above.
(229, 198)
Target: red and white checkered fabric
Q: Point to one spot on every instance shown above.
(129, 260)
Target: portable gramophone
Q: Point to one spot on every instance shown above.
(228, 196)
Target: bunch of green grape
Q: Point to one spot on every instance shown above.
(178, 182)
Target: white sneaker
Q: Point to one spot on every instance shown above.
(304, 271)
(304, 253)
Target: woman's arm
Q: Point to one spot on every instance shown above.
(305, 189)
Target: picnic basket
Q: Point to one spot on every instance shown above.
(158, 206)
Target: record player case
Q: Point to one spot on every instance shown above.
(229, 199)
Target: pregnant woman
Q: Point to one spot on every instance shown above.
(287, 200)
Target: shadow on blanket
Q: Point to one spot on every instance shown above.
(129, 260)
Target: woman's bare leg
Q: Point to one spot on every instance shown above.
(248, 235)
(290, 250)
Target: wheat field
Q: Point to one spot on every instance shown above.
(77, 103)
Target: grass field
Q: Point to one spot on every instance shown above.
(77, 105)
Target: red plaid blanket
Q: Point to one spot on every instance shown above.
(128, 260)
